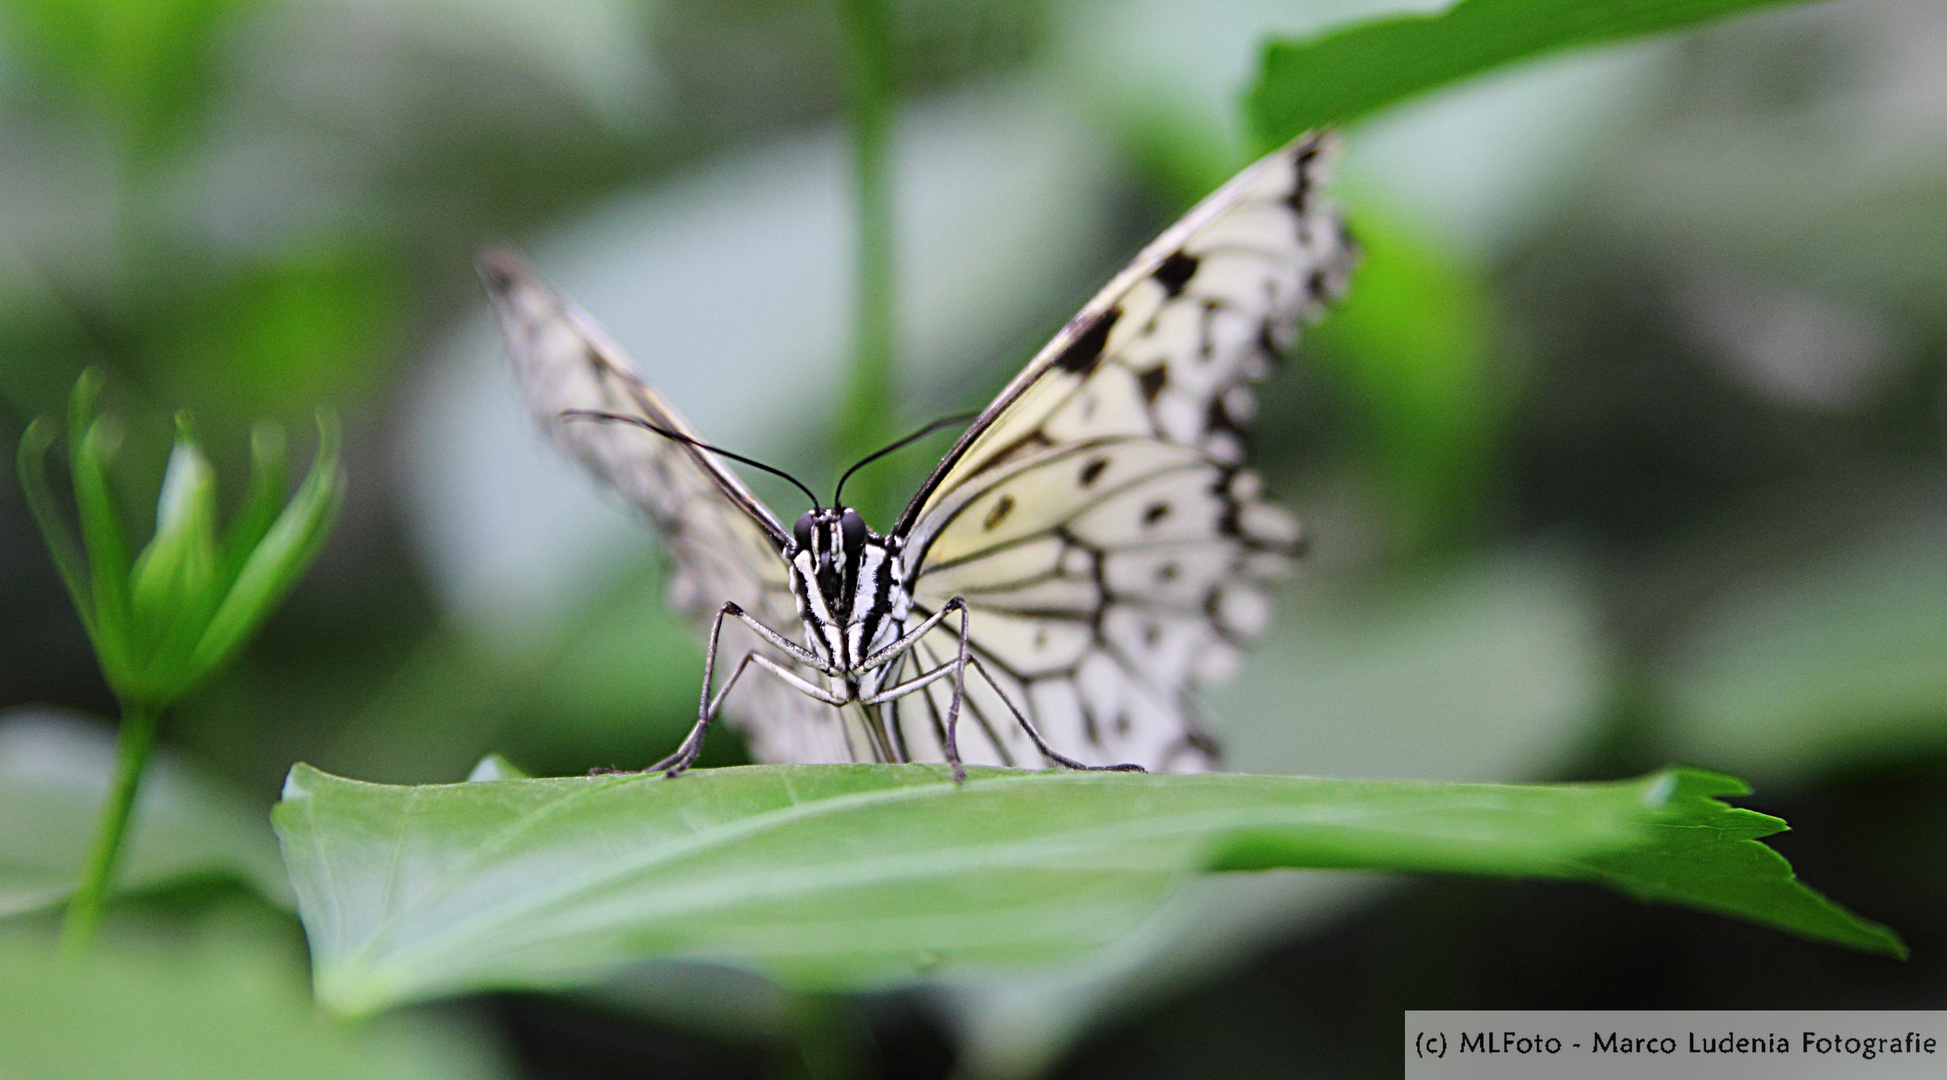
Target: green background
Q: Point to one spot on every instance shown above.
(1626, 449)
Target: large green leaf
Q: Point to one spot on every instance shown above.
(1346, 75)
(832, 877)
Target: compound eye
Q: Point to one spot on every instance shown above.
(802, 530)
(852, 526)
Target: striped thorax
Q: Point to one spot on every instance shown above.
(849, 585)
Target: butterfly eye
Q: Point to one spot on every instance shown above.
(802, 531)
(852, 527)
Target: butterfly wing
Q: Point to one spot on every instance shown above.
(1097, 518)
(720, 542)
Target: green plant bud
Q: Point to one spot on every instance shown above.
(174, 584)
(269, 477)
(178, 613)
(279, 557)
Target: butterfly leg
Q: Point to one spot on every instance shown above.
(796, 651)
(952, 746)
(957, 668)
(1040, 743)
(675, 764)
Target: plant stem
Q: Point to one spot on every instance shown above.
(866, 418)
(132, 746)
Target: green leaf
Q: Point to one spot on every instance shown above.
(92, 447)
(32, 464)
(280, 558)
(54, 774)
(1346, 75)
(838, 877)
(179, 613)
(82, 401)
(269, 473)
(1708, 857)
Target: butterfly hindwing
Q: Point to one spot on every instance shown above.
(1097, 520)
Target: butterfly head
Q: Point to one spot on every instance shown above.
(832, 544)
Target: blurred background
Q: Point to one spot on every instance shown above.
(1629, 447)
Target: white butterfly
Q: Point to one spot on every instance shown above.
(1089, 551)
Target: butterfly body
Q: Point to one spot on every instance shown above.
(1090, 550)
(850, 588)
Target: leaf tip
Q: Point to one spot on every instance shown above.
(495, 767)
(1689, 780)
(81, 400)
(297, 783)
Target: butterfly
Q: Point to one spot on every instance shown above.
(1090, 550)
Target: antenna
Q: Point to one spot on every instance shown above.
(944, 421)
(620, 418)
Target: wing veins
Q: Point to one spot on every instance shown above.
(1302, 152)
(1179, 466)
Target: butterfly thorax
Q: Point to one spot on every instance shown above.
(849, 583)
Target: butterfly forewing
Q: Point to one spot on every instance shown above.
(1096, 519)
(1263, 250)
(719, 542)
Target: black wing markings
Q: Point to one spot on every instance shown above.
(1302, 154)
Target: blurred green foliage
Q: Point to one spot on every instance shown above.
(306, 325)
(1415, 348)
(226, 1000)
(144, 65)
(865, 421)
(54, 771)
(1702, 378)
